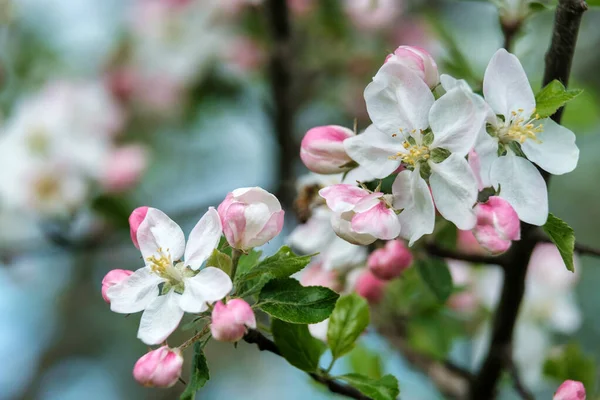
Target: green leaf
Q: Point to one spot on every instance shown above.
(280, 265)
(348, 320)
(366, 362)
(247, 262)
(571, 363)
(219, 260)
(436, 276)
(113, 208)
(289, 301)
(447, 236)
(552, 97)
(563, 236)
(297, 345)
(385, 388)
(433, 334)
(199, 375)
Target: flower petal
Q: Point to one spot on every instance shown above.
(486, 148)
(160, 319)
(411, 193)
(203, 239)
(342, 226)
(454, 189)
(134, 293)
(209, 285)
(557, 152)
(342, 197)
(374, 150)
(398, 99)
(506, 87)
(379, 221)
(522, 185)
(269, 231)
(158, 231)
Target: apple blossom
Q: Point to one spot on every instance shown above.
(467, 243)
(322, 149)
(230, 321)
(162, 244)
(159, 368)
(319, 330)
(250, 217)
(124, 168)
(316, 275)
(517, 129)
(497, 225)
(430, 138)
(361, 217)
(372, 15)
(370, 287)
(417, 60)
(112, 278)
(390, 261)
(570, 390)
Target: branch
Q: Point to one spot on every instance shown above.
(435, 250)
(265, 344)
(519, 386)
(558, 65)
(581, 249)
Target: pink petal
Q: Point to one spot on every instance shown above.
(342, 197)
(379, 221)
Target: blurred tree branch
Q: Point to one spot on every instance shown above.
(435, 250)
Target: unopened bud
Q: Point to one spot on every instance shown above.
(389, 262)
(159, 368)
(230, 321)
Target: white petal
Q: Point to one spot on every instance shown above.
(342, 197)
(160, 319)
(158, 231)
(522, 185)
(134, 293)
(412, 194)
(506, 87)
(455, 121)
(209, 285)
(378, 221)
(203, 239)
(557, 153)
(374, 150)
(257, 195)
(398, 99)
(340, 254)
(566, 316)
(486, 148)
(454, 189)
(315, 234)
(342, 226)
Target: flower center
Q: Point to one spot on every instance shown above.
(415, 154)
(163, 266)
(519, 129)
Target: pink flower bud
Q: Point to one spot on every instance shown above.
(322, 149)
(159, 368)
(418, 60)
(229, 321)
(467, 243)
(135, 219)
(316, 275)
(124, 168)
(250, 217)
(389, 262)
(570, 390)
(112, 278)
(370, 287)
(497, 225)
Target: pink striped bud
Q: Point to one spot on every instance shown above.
(389, 262)
(497, 225)
(159, 368)
(418, 60)
(322, 149)
(135, 219)
(112, 278)
(230, 321)
(570, 390)
(370, 287)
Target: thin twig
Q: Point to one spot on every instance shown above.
(265, 344)
(435, 250)
(196, 337)
(519, 386)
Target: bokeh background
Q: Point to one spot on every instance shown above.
(113, 104)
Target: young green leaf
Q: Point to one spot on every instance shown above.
(385, 388)
(436, 276)
(366, 362)
(348, 320)
(552, 97)
(219, 260)
(297, 345)
(289, 301)
(199, 375)
(563, 236)
(571, 363)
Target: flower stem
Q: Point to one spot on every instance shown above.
(196, 337)
(235, 259)
(330, 366)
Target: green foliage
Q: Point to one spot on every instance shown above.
(366, 362)
(552, 97)
(248, 261)
(436, 276)
(199, 374)
(349, 319)
(563, 236)
(297, 345)
(280, 265)
(219, 260)
(385, 388)
(288, 300)
(572, 363)
(433, 334)
(113, 208)
(447, 235)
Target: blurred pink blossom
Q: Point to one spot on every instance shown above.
(124, 168)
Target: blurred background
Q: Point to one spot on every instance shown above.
(109, 105)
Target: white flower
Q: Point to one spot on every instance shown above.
(162, 244)
(515, 126)
(430, 138)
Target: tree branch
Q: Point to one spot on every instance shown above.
(265, 344)
(435, 250)
(558, 65)
(519, 386)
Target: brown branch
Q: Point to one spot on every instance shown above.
(437, 251)
(265, 344)
(558, 65)
(519, 386)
